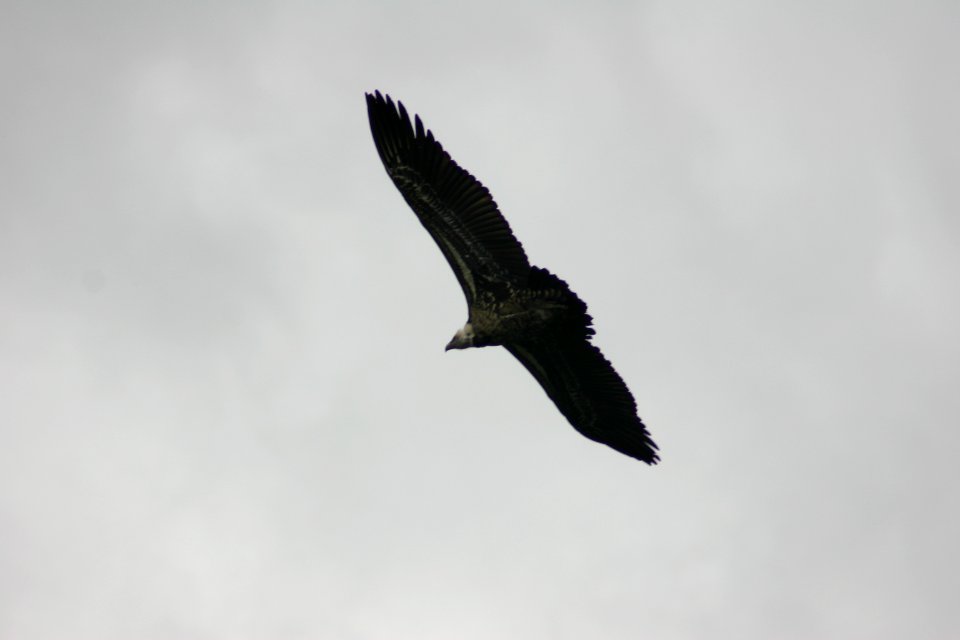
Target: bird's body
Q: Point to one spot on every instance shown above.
(543, 308)
(526, 309)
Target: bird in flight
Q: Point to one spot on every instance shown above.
(527, 310)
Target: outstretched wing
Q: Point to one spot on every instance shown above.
(589, 393)
(455, 208)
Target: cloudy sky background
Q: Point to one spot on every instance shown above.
(226, 410)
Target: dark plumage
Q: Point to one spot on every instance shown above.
(526, 309)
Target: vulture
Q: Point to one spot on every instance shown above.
(527, 310)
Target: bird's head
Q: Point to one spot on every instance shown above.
(462, 339)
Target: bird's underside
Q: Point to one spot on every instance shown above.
(526, 309)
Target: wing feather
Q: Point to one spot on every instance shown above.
(457, 211)
(589, 393)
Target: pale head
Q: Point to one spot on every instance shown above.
(462, 339)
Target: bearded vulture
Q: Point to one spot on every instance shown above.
(526, 309)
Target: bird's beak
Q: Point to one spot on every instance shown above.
(449, 346)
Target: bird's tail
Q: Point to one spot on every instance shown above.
(545, 284)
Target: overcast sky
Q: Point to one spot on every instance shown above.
(225, 408)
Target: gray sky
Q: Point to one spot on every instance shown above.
(226, 410)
